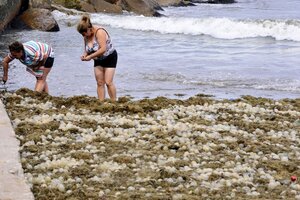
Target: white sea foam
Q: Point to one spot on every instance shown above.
(223, 28)
(279, 84)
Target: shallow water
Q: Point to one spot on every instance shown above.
(252, 47)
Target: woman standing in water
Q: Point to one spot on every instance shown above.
(37, 56)
(98, 46)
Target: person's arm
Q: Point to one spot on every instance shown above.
(101, 39)
(5, 63)
(84, 53)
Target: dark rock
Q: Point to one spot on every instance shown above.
(24, 6)
(72, 4)
(41, 19)
(8, 10)
(87, 7)
(142, 7)
(16, 23)
(185, 3)
(40, 4)
(214, 1)
(113, 1)
(65, 10)
(154, 4)
(174, 3)
(103, 6)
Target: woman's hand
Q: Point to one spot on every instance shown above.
(86, 58)
(5, 62)
(4, 78)
(82, 57)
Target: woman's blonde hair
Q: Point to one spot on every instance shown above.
(84, 24)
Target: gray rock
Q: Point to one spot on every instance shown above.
(214, 1)
(142, 7)
(87, 7)
(164, 3)
(103, 6)
(68, 11)
(8, 10)
(40, 4)
(40, 19)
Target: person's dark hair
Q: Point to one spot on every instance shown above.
(84, 24)
(16, 47)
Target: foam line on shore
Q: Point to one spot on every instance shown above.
(221, 28)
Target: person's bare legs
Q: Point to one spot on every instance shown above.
(99, 75)
(109, 78)
(46, 89)
(41, 83)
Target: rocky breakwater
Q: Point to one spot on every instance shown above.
(140, 7)
(37, 16)
(214, 1)
(32, 14)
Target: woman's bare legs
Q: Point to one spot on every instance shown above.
(99, 75)
(41, 83)
(46, 89)
(105, 76)
(109, 77)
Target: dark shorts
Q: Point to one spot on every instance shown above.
(109, 62)
(49, 62)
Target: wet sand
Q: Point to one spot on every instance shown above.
(198, 148)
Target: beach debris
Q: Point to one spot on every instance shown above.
(293, 178)
(198, 148)
(297, 122)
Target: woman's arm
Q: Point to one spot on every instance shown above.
(84, 53)
(5, 64)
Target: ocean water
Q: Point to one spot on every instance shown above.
(251, 47)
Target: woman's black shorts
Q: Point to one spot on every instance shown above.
(109, 62)
(49, 62)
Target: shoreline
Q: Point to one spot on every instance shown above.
(79, 147)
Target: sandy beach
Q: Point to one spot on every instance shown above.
(198, 148)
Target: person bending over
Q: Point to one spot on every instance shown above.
(37, 56)
(98, 46)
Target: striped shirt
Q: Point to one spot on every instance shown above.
(34, 52)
